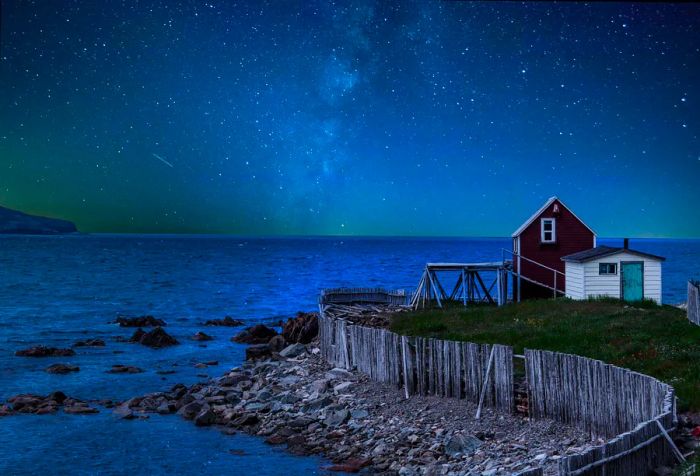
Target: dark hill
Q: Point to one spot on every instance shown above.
(13, 221)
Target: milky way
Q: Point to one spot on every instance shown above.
(425, 118)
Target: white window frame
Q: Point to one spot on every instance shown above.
(554, 230)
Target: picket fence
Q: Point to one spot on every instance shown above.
(634, 412)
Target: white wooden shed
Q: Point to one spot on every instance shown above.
(614, 272)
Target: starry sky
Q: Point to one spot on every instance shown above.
(350, 118)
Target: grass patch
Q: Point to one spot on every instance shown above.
(655, 340)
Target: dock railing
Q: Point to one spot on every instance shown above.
(558, 278)
(693, 305)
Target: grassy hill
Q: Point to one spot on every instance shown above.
(655, 340)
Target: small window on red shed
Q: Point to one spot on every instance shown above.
(548, 230)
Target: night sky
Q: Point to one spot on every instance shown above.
(428, 118)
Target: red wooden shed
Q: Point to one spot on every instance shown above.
(550, 233)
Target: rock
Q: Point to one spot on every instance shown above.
(90, 343)
(301, 329)
(352, 465)
(246, 420)
(541, 457)
(379, 449)
(663, 471)
(289, 380)
(5, 410)
(124, 369)
(320, 385)
(294, 350)
(140, 321)
(360, 414)
(258, 334)
(319, 403)
(462, 444)
(191, 410)
(227, 321)
(337, 373)
(275, 439)
(62, 368)
(277, 343)
(337, 417)
(42, 351)
(205, 418)
(342, 387)
(157, 338)
(79, 408)
(300, 422)
(201, 336)
(124, 412)
(258, 351)
(692, 445)
(57, 396)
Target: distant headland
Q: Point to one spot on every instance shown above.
(16, 222)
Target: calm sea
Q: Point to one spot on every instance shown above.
(57, 290)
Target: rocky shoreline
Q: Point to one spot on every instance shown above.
(286, 393)
(295, 399)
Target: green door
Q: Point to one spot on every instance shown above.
(632, 281)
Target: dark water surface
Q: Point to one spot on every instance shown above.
(57, 290)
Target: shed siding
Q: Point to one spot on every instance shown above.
(575, 288)
(609, 285)
(572, 236)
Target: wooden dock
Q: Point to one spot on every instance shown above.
(470, 284)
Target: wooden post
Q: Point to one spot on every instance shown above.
(464, 287)
(520, 271)
(674, 448)
(485, 384)
(404, 352)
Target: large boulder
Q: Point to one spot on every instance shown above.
(277, 343)
(202, 337)
(258, 334)
(294, 350)
(258, 351)
(157, 338)
(462, 444)
(124, 369)
(227, 321)
(42, 351)
(62, 368)
(140, 321)
(302, 329)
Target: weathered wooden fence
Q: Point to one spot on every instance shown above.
(693, 308)
(422, 366)
(636, 412)
(606, 401)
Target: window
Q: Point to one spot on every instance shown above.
(548, 230)
(607, 268)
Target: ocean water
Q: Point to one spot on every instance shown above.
(60, 289)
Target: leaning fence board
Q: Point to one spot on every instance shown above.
(693, 305)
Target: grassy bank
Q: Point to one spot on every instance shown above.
(655, 340)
